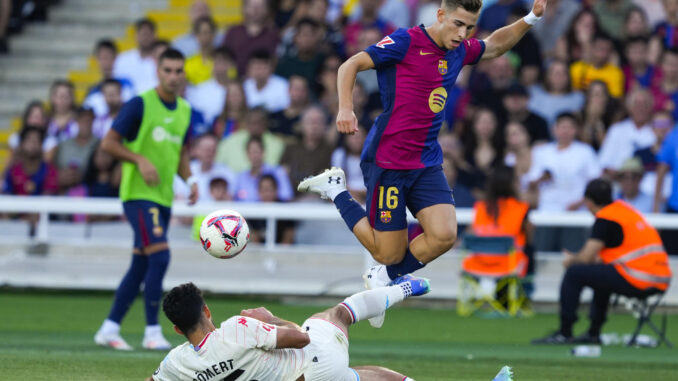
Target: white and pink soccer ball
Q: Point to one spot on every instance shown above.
(224, 234)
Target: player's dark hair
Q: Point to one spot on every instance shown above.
(204, 20)
(224, 52)
(599, 191)
(568, 115)
(472, 6)
(170, 54)
(105, 44)
(144, 23)
(500, 184)
(183, 307)
(30, 130)
(112, 81)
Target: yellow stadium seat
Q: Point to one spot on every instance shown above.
(15, 124)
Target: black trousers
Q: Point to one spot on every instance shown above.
(604, 280)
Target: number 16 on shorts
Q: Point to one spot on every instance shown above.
(389, 209)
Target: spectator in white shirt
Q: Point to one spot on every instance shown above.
(111, 92)
(629, 135)
(204, 168)
(105, 53)
(138, 65)
(208, 98)
(560, 171)
(262, 87)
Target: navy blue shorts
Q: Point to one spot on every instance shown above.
(149, 221)
(390, 191)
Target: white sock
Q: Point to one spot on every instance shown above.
(153, 330)
(371, 303)
(109, 326)
(334, 191)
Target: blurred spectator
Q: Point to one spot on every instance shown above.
(577, 43)
(483, 143)
(662, 124)
(561, 169)
(600, 67)
(29, 174)
(426, 12)
(208, 98)
(666, 91)
(262, 87)
(518, 152)
(653, 9)
(494, 16)
(666, 32)
(629, 135)
(555, 96)
(283, 122)
(71, 156)
(232, 150)
(204, 167)
(305, 59)
(327, 82)
(556, 20)
(268, 191)
(34, 115)
(668, 161)
(112, 93)
(347, 157)
(636, 23)
(611, 14)
(103, 173)
(105, 54)
(638, 72)
(286, 13)
(515, 105)
(369, 18)
(559, 173)
(218, 189)
(61, 124)
(233, 112)
(364, 114)
(158, 48)
(501, 74)
(467, 176)
(368, 37)
(331, 37)
(393, 11)
(600, 112)
(312, 154)
(247, 182)
(463, 196)
(199, 67)
(5, 12)
(188, 43)
(528, 49)
(254, 34)
(137, 65)
(629, 176)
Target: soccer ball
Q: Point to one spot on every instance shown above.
(224, 233)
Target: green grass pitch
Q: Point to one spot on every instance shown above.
(48, 336)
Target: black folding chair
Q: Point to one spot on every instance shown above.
(643, 308)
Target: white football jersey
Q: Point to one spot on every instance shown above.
(241, 349)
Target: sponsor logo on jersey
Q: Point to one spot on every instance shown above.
(442, 67)
(385, 41)
(437, 99)
(160, 134)
(385, 216)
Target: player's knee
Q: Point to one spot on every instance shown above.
(386, 257)
(445, 238)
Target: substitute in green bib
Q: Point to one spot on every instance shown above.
(149, 136)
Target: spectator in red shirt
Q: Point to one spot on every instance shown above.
(30, 175)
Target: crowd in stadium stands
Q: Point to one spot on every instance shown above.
(591, 91)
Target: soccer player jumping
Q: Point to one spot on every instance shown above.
(401, 159)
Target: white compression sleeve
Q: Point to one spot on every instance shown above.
(371, 303)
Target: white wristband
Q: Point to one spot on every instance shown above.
(191, 180)
(531, 19)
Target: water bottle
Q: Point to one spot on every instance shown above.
(586, 351)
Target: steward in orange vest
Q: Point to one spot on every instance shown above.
(623, 256)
